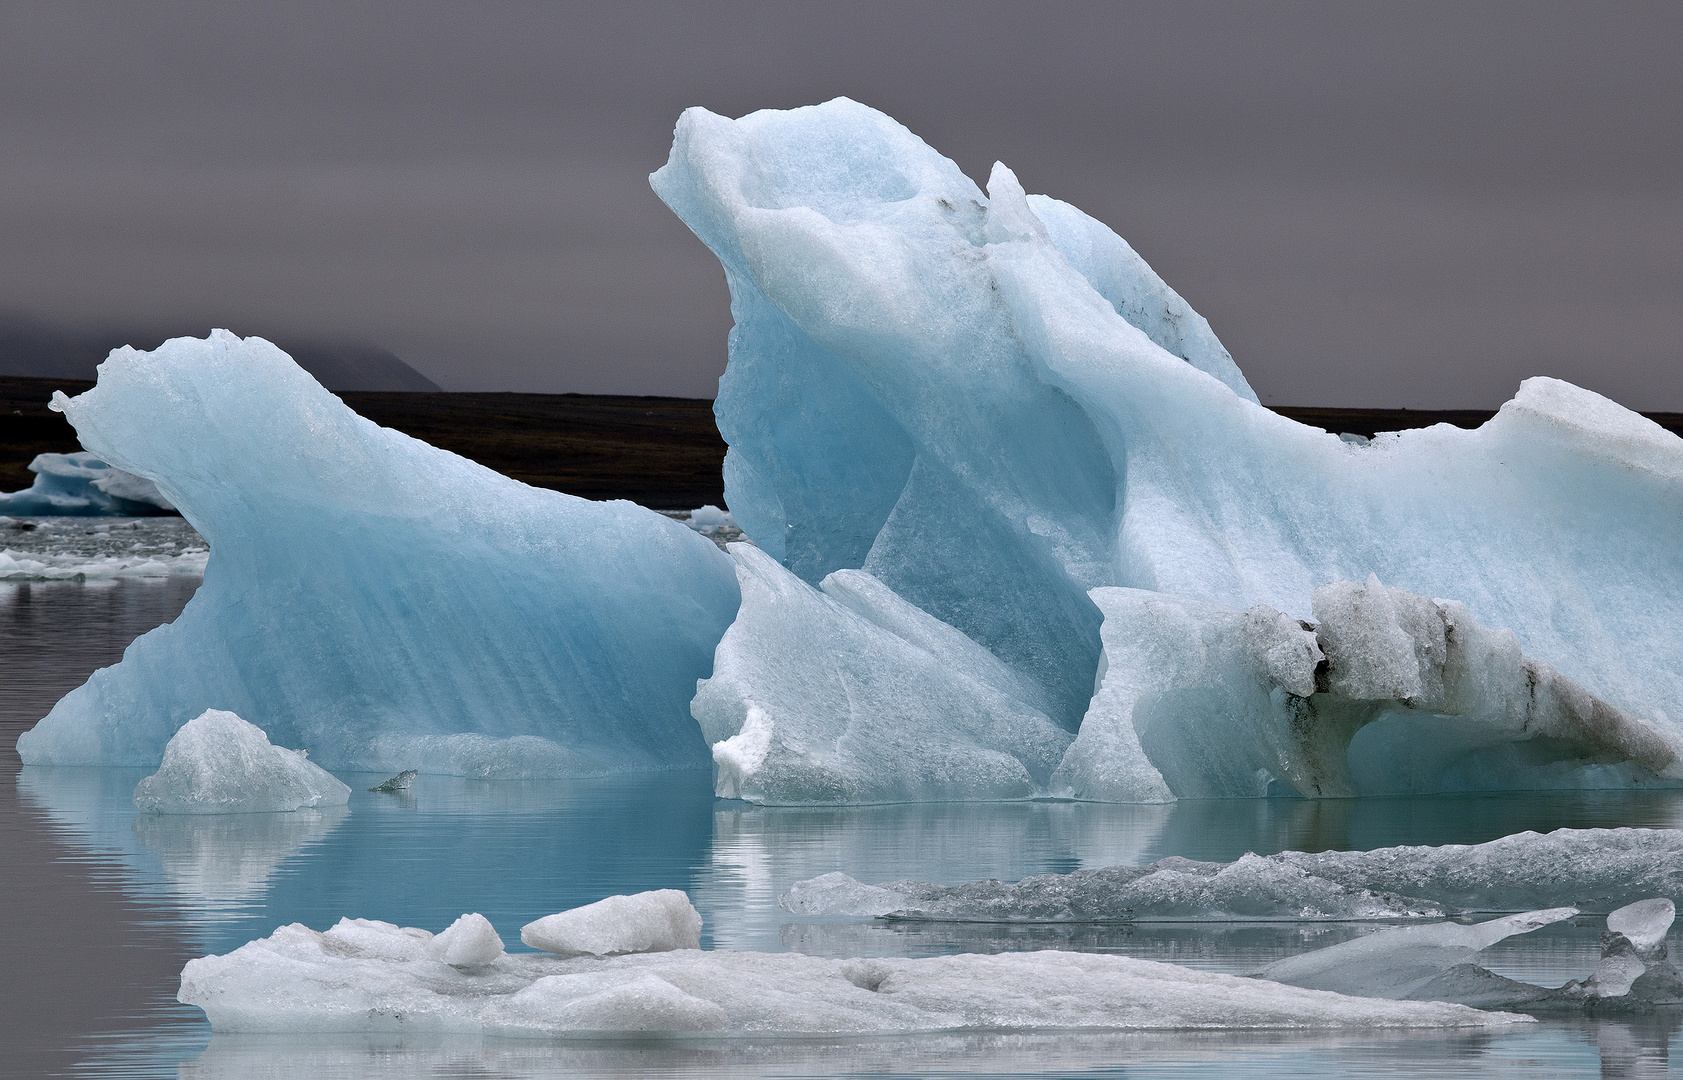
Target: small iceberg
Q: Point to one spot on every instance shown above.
(659, 921)
(367, 976)
(1595, 869)
(220, 764)
(81, 485)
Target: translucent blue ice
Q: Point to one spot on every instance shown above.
(990, 404)
(81, 485)
(381, 603)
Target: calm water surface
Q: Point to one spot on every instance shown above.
(104, 904)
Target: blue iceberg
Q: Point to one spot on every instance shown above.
(990, 404)
(81, 485)
(381, 603)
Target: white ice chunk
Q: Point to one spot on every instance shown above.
(710, 518)
(1644, 923)
(850, 694)
(1401, 962)
(658, 921)
(363, 976)
(219, 764)
(469, 940)
(1595, 869)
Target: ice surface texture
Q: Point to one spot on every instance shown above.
(382, 603)
(219, 764)
(1595, 870)
(847, 693)
(990, 404)
(658, 921)
(81, 485)
(365, 976)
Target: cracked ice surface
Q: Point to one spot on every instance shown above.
(1594, 869)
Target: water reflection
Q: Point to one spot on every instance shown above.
(225, 862)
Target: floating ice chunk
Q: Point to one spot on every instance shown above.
(838, 894)
(219, 764)
(363, 976)
(400, 782)
(710, 519)
(1596, 869)
(850, 694)
(81, 485)
(388, 604)
(658, 921)
(1200, 700)
(1645, 925)
(1402, 963)
(469, 940)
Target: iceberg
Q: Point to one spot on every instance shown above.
(81, 485)
(991, 405)
(367, 976)
(220, 764)
(847, 693)
(385, 604)
(1596, 870)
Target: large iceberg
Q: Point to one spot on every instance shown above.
(382, 603)
(992, 406)
(367, 976)
(81, 485)
(1595, 870)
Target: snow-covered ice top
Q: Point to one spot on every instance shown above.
(220, 764)
(366, 976)
(81, 485)
(658, 921)
(1593, 869)
(387, 604)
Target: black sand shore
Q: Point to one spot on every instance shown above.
(662, 452)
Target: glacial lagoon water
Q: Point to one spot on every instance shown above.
(105, 904)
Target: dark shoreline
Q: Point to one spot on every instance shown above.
(662, 452)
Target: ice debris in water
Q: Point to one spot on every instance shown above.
(367, 976)
(220, 764)
(1437, 963)
(658, 921)
(1405, 962)
(81, 485)
(989, 403)
(386, 603)
(846, 693)
(400, 782)
(1594, 869)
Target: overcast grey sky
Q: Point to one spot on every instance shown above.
(1384, 205)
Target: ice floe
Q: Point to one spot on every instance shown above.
(367, 976)
(220, 764)
(1593, 869)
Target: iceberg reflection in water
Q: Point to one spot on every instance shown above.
(520, 850)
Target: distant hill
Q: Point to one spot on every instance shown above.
(41, 350)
